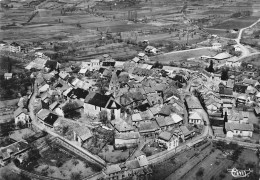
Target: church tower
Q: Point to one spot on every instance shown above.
(114, 84)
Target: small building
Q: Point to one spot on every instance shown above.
(21, 115)
(47, 118)
(148, 128)
(168, 140)
(121, 126)
(216, 46)
(14, 47)
(8, 76)
(237, 48)
(237, 129)
(135, 169)
(186, 133)
(151, 50)
(93, 64)
(195, 118)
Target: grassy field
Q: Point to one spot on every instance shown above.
(253, 60)
(182, 56)
(236, 23)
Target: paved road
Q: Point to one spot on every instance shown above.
(245, 51)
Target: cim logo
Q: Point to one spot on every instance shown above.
(239, 173)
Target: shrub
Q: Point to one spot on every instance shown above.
(200, 172)
(217, 162)
(222, 176)
(75, 162)
(59, 163)
(75, 176)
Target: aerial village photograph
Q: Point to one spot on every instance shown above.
(129, 89)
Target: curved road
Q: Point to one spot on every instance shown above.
(245, 51)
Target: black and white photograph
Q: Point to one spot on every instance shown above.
(130, 90)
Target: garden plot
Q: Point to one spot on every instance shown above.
(110, 155)
(58, 162)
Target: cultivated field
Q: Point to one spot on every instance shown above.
(236, 23)
(183, 56)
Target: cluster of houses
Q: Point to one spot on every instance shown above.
(139, 101)
(229, 102)
(137, 169)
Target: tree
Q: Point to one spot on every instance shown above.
(20, 124)
(65, 129)
(70, 110)
(210, 68)
(224, 74)
(102, 85)
(34, 154)
(157, 65)
(103, 116)
(75, 176)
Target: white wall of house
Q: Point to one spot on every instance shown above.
(21, 118)
(77, 138)
(195, 121)
(173, 143)
(15, 49)
(95, 110)
(241, 133)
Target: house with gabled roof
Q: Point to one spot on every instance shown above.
(168, 140)
(121, 126)
(237, 129)
(186, 133)
(64, 75)
(8, 76)
(148, 128)
(93, 64)
(14, 47)
(251, 82)
(21, 115)
(192, 104)
(52, 65)
(94, 103)
(195, 118)
(54, 105)
(46, 117)
(166, 123)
